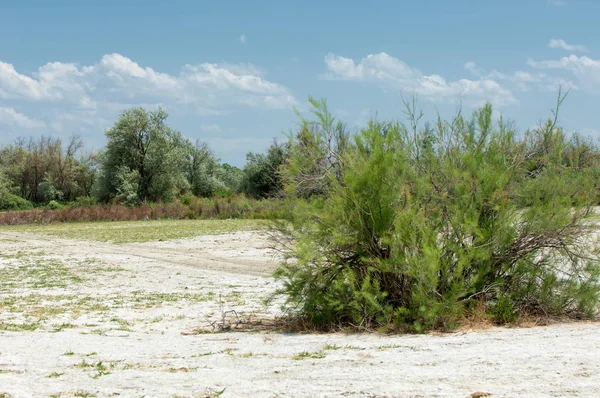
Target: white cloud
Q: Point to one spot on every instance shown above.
(473, 69)
(521, 80)
(16, 85)
(243, 38)
(561, 44)
(586, 69)
(392, 72)
(12, 118)
(117, 80)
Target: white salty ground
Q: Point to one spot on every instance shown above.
(97, 319)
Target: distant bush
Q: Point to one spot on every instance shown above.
(54, 205)
(84, 201)
(8, 201)
(410, 229)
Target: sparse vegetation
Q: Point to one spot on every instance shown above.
(308, 355)
(144, 231)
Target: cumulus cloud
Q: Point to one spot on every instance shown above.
(473, 69)
(12, 118)
(563, 45)
(118, 80)
(585, 69)
(388, 71)
(16, 85)
(243, 38)
(521, 80)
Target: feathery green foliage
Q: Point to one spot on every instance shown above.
(412, 227)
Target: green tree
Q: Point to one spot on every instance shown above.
(144, 159)
(262, 176)
(8, 200)
(46, 169)
(232, 178)
(203, 171)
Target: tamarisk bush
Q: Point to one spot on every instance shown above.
(418, 226)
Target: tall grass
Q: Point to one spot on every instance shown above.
(187, 207)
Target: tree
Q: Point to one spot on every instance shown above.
(416, 227)
(232, 178)
(203, 171)
(144, 159)
(262, 176)
(43, 170)
(8, 200)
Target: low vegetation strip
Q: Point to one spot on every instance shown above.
(141, 231)
(187, 207)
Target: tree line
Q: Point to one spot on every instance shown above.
(144, 160)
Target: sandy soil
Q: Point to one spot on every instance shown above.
(95, 319)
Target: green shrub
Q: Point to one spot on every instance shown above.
(54, 205)
(186, 199)
(8, 201)
(416, 227)
(84, 201)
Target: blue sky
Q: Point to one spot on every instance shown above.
(230, 73)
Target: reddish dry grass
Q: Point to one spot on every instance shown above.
(194, 208)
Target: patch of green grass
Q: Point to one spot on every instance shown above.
(6, 371)
(353, 347)
(101, 370)
(36, 273)
(82, 393)
(203, 354)
(44, 306)
(19, 327)
(308, 355)
(141, 231)
(21, 254)
(331, 347)
(123, 324)
(182, 369)
(252, 354)
(55, 375)
(84, 364)
(388, 347)
(69, 353)
(148, 300)
(63, 326)
(228, 351)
